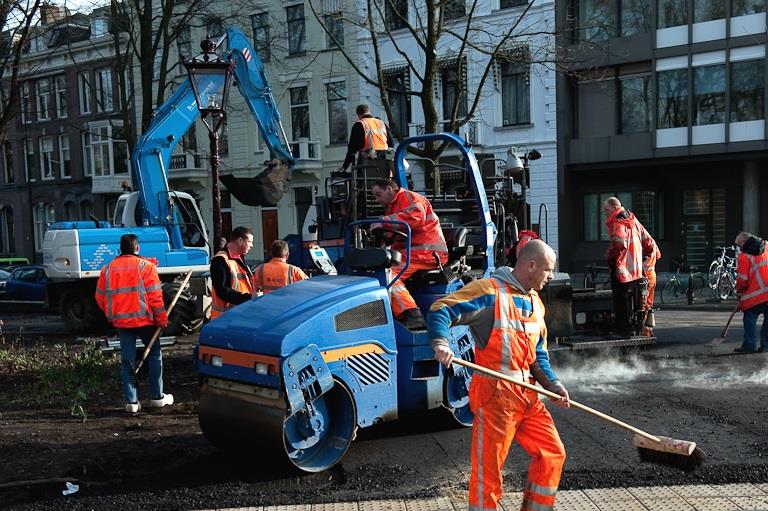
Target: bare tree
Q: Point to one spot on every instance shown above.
(20, 19)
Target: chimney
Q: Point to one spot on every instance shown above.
(49, 14)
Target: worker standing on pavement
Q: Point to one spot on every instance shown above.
(625, 260)
(506, 317)
(131, 296)
(231, 278)
(427, 240)
(369, 138)
(752, 288)
(651, 254)
(277, 273)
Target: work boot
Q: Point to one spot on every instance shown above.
(743, 349)
(132, 408)
(412, 319)
(166, 400)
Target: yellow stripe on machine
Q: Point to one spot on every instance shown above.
(342, 353)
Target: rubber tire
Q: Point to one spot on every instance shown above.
(713, 274)
(724, 287)
(671, 294)
(81, 314)
(699, 285)
(183, 319)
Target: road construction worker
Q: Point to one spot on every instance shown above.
(231, 278)
(276, 273)
(523, 237)
(651, 254)
(625, 260)
(506, 317)
(131, 296)
(752, 288)
(369, 138)
(427, 240)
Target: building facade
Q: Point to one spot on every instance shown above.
(665, 108)
(65, 157)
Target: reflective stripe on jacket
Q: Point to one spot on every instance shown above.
(276, 273)
(240, 281)
(426, 234)
(129, 292)
(625, 250)
(375, 134)
(752, 279)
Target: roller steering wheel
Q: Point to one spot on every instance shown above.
(380, 231)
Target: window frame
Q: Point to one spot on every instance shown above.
(297, 29)
(260, 31)
(45, 145)
(84, 95)
(65, 157)
(335, 125)
(43, 99)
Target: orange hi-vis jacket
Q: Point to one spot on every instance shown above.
(375, 134)
(625, 249)
(130, 294)
(240, 281)
(752, 279)
(276, 273)
(426, 234)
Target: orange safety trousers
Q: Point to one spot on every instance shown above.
(651, 276)
(398, 294)
(527, 421)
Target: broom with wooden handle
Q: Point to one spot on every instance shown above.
(655, 449)
(719, 340)
(156, 335)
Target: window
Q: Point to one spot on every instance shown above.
(335, 25)
(515, 90)
(747, 90)
(6, 229)
(399, 102)
(104, 90)
(635, 103)
(709, 95)
(65, 167)
(598, 19)
(87, 155)
(84, 91)
(86, 208)
(337, 112)
(43, 99)
(673, 98)
(46, 158)
(672, 13)
(10, 176)
(708, 10)
(105, 152)
(454, 88)
(26, 104)
(29, 159)
(299, 113)
(60, 91)
(260, 27)
(504, 4)
(744, 7)
(184, 43)
(43, 214)
(296, 29)
(635, 18)
(396, 14)
(99, 27)
(70, 211)
(455, 9)
(215, 28)
(646, 205)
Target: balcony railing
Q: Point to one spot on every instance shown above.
(187, 166)
(305, 149)
(471, 132)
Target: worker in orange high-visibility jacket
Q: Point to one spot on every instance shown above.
(651, 254)
(276, 272)
(131, 296)
(625, 260)
(506, 317)
(752, 288)
(368, 139)
(427, 241)
(231, 278)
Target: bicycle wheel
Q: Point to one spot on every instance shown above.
(713, 275)
(725, 286)
(699, 285)
(672, 293)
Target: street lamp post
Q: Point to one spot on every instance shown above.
(210, 76)
(517, 165)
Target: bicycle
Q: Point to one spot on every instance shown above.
(683, 286)
(726, 285)
(722, 263)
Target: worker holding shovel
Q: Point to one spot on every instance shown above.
(506, 317)
(130, 294)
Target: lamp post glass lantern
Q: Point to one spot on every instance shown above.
(516, 165)
(210, 77)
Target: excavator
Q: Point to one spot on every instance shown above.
(168, 223)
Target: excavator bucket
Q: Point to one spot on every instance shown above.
(266, 189)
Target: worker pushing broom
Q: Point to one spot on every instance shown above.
(506, 317)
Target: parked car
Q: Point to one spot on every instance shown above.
(26, 284)
(9, 263)
(3, 277)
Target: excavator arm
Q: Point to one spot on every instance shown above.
(151, 158)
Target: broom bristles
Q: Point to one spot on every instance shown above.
(685, 462)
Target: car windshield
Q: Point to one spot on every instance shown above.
(4, 275)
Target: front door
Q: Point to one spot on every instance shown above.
(703, 227)
(269, 229)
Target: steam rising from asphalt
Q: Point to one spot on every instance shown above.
(605, 374)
